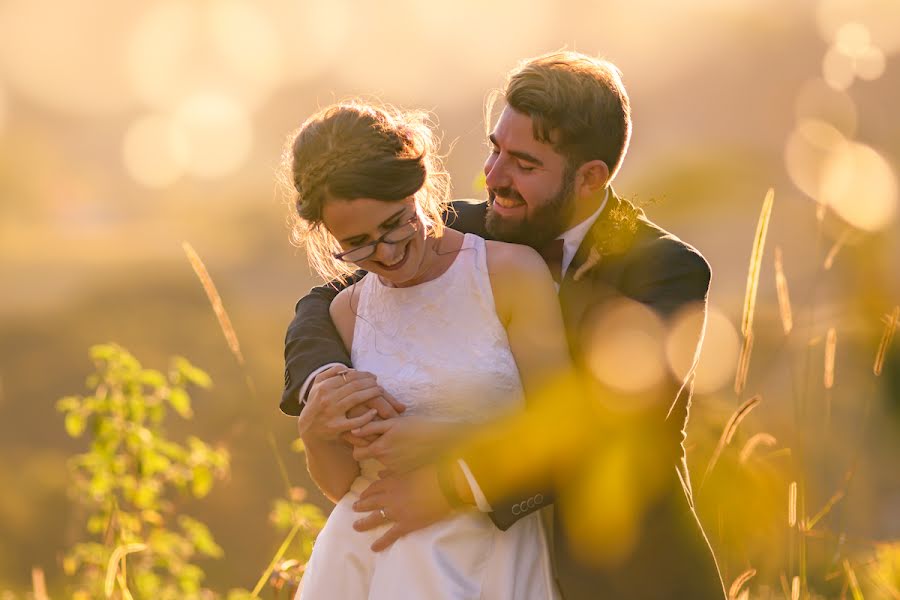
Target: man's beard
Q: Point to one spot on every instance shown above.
(544, 224)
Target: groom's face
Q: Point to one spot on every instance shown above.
(530, 188)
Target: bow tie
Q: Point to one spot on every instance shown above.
(553, 256)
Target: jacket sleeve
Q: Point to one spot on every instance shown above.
(666, 277)
(311, 342)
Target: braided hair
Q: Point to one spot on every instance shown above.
(356, 150)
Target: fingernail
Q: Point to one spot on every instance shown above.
(355, 431)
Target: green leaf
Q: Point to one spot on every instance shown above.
(200, 536)
(68, 403)
(152, 378)
(202, 481)
(75, 424)
(189, 372)
(181, 402)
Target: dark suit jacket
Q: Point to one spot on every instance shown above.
(629, 257)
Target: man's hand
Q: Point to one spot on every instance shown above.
(386, 405)
(402, 444)
(409, 502)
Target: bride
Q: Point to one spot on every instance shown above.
(456, 331)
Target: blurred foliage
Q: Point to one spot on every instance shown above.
(128, 480)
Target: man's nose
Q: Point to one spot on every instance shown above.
(495, 175)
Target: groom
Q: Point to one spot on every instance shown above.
(555, 149)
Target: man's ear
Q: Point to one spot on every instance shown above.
(591, 178)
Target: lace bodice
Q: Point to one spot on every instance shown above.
(439, 346)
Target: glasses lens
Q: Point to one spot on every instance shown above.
(358, 254)
(402, 233)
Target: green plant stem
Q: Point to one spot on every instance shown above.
(281, 550)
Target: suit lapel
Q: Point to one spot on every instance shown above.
(596, 270)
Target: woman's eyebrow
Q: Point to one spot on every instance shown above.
(391, 218)
(358, 239)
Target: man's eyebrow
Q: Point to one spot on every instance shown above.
(529, 158)
(364, 236)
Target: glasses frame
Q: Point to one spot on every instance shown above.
(414, 220)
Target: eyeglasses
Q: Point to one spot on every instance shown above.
(398, 234)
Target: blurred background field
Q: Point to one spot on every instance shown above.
(127, 129)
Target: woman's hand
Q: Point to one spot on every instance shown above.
(333, 393)
(405, 443)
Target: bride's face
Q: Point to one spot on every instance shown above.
(358, 223)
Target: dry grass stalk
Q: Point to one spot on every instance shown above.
(750, 446)
(116, 567)
(759, 242)
(795, 588)
(784, 586)
(829, 259)
(784, 298)
(792, 504)
(738, 583)
(730, 428)
(830, 346)
(215, 300)
(851, 579)
(38, 584)
(835, 498)
(740, 376)
(890, 326)
(276, 560)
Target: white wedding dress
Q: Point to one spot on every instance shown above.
(439, 348)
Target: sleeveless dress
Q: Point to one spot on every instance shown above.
(441, 350)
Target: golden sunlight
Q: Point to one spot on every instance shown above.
(878, 17)
(806, 152)
(818, 101)
(218, 131)
(154, 151)
(626, 348)
(179, 47)
(719, 355)
(859, 184)
(66, 55)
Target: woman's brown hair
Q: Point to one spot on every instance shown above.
(357, 150)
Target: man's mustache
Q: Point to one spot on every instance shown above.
(504, 192)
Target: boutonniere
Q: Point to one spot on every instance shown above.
(613, 235)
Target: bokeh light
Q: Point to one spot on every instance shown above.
(852, 39)
(838, 69)
(67, 55)
(626, 345)
(806, 152)
(154, 151)
(878, 17)
(313, 34)
(180, 46)
(719, 354)
(870, 64)
(859, 184)
(218, 133)
(3, 110)
(818, 101)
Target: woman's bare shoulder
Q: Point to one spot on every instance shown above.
(343, 311)
(516, 258)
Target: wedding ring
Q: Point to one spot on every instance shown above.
(383, 514)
